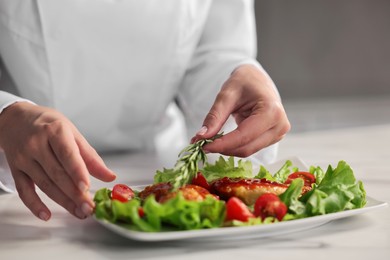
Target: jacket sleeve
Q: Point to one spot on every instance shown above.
(7, 90)
(228, 40)
(7, 99)
(6, 181)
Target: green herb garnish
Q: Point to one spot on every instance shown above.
(187, 165)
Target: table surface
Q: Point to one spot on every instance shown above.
(364, 236)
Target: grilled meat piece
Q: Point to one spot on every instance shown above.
(248, 190)
(159, 190)
(163, 193)
(190, 192)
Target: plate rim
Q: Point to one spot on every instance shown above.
(271, 229)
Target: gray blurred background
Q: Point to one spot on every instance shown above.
(331, 57)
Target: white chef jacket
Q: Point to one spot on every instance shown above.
(115, 68)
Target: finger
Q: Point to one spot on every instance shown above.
(46, 185)
(249, 130)
(218, 114)
(57, 174)
(26, 190)
(266, 139)
(65, 149)
(253, 127)
(94, 162)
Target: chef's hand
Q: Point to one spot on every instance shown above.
(45, 149)
(249, 95)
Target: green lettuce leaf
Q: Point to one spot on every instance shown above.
(318, 173)
(177, 213)
(337, 191)
(282, 174)
(227, 168)
(166, 175)
(291, 198)
(264, 174)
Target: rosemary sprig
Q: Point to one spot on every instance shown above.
(190, 157)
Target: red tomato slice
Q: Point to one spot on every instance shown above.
(308, 178)
(269, 205)
(122, 193)
(201, 181)
(141, 212)
(237, 210)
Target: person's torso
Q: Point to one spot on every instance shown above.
(111, 66)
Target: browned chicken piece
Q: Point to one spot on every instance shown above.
(162, 192)
(248, 190)
(159, 190)
(190, 192)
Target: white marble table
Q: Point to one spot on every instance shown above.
(366, 236)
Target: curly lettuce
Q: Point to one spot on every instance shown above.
(227, 168)
(280, 175)
(175, 214)
(339, 190)
(336, 191)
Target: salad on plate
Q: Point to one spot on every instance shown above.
(196, 194)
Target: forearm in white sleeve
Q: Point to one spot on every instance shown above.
(228, 40)
(7, 99)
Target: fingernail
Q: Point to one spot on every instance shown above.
(86, 208)
(43, 215)
(202, 130)
(83, 187)
(79, 213)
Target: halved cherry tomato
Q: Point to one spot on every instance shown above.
(269, 205)
(237, 210)
(201, 181)
(122, 193)
(308, 178)
(141, 212)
